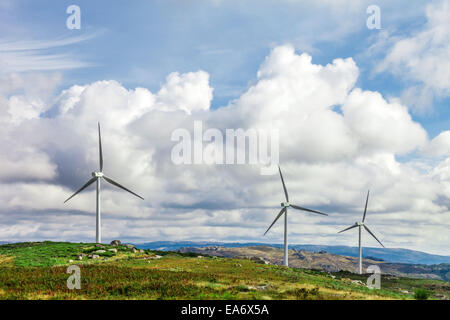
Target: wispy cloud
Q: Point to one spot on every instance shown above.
(40, 55)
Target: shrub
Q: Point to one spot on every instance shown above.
(305, 294)
(421, 294)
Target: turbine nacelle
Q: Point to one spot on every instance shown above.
(285, 204)
(97, 174)
(359, 224)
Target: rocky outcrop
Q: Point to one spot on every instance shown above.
(258, 260)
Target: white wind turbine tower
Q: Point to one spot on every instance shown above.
(285, 206)
(359, 225)
(97, 176)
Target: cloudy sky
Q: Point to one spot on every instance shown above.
(356, 109)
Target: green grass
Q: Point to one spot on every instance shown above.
(41, 254)
(38, 271)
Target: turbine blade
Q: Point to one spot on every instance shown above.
(100, 148)
(278, 216)
(121, 187)
(309, 210)
(365, 209)
(373, 235)
(351, 227)
(82, 188)
(284, 186)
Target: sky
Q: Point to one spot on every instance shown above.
(357, 108)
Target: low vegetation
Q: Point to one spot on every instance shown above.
(38, 271)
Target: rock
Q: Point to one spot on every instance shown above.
(113, 250)
(261, 288)
(80, 257)
(358, 282)
(133, 250)
(93, 256)
(141, 251)
(405, 291)
(100, 251)
(98, 245)
(129, 246)
(115, 243)
(70, 261)
(200, 257)
(259, 260)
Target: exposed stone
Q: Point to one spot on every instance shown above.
(100, 251)
(405, 291)
(259, 260)
(80, 257)
(115, 243)
(98, 245)
(70, 261)
(93, 256)
(113, 250)
(133, 250)
(141, 251)
(358, 282)
(261, 288)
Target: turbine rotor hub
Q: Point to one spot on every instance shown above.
(97, 174)
(285, 204)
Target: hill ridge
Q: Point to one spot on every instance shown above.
(393, 255)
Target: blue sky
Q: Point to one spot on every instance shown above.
(139, 43)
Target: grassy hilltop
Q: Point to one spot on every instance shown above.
(37, 270)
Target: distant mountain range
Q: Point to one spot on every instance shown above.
(324, 261)
(381, 254)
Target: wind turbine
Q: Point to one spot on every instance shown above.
(359, 225)
(97, 176)
(285, 206)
